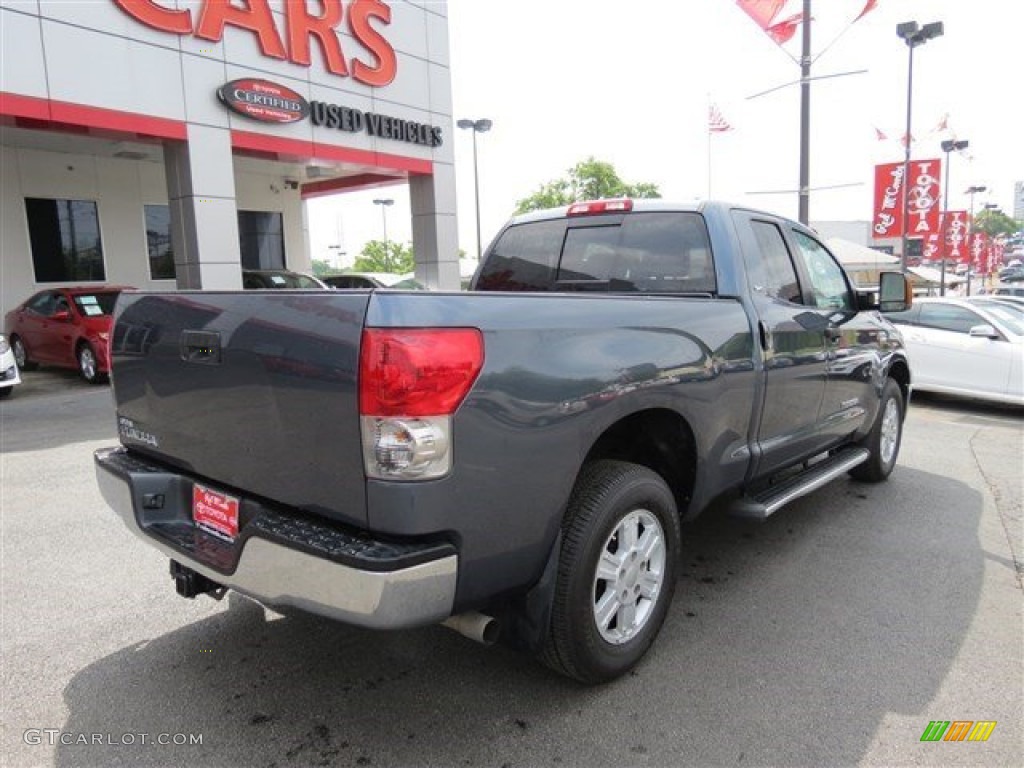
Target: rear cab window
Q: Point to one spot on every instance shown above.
(642, 252)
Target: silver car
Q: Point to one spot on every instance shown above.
(9, 376)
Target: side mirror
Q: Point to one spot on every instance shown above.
(984, 331)
(894, 292)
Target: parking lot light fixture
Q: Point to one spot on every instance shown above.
(913, 35)
(949, 145)
(972, 191)
(384, 202)
(477, 126)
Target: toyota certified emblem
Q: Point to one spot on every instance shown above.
(263, 100)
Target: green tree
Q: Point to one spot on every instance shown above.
(993, 222)
(397, 259)
(589, 179)
(321, 267)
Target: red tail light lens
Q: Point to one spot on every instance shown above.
(417, 371)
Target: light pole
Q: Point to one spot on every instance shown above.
(477, 126)
(947, 146)
(972, 190)
(913, 35)
(384, 202)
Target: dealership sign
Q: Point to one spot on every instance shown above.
(376, 63)
(386, 127)
(922, 199)
(272, 103)
(263, 100)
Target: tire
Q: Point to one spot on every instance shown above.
(883, 441)
(604, 619)
(21, 354)
(5, 392)
(87, 365)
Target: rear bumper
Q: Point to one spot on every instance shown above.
(284, 559)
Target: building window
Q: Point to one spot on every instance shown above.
(158, 242)
(261, 236)
(65, 240)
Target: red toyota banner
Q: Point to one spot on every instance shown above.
(979, 246)
(956, 236)
(931, 249)
(922, 199)
(888, 218)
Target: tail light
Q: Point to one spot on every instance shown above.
(617, 205)
(411, 381)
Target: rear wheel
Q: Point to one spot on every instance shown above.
(87, 365)
(616, 571)
(5, 392)
(883, 442)
(21, 354)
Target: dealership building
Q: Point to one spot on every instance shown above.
(173, 143)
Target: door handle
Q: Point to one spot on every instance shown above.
(201, 347)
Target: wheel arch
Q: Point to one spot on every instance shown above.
(659, 439)
(899, 371)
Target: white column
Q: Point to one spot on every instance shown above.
(435, 238)
(204, 216)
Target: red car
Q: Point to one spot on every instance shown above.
(65, 327)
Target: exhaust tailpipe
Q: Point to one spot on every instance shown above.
(476, 626)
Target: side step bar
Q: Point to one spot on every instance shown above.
(770, 500)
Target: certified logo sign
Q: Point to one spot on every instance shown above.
(263, 100)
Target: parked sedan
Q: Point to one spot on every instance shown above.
(405, 282)
(9, 375)
(64, 327)
(1009, 290)
(279, 278)
(965, 348)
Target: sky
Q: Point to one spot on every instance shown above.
(629, 82)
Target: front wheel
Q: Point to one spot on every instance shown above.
(616, 571)
(883, 441)
(87, 365)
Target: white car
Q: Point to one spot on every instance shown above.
(9, 375)
(965, 348)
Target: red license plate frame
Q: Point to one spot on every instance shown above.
(215, 512)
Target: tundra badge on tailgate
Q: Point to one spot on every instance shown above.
(128, 431)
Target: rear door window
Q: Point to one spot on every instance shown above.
(771, 268)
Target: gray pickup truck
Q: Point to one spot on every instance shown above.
(514, 461)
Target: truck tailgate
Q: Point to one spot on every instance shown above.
(253, 390)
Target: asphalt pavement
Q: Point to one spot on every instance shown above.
(832, 634)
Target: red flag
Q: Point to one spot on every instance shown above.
(956, 235)
(943, 124)
(879, 135)
(763, 12)
(717, 123)
(922, 199)
(904, 137)
(868, 7)
(783, 31)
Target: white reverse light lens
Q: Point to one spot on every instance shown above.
(406, 448)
